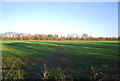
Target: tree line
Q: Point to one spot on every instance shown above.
(71, 37)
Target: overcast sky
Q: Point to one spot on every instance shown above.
(94, 18)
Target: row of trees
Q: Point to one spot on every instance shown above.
(21, 36)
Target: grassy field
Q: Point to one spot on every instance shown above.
(62, 59)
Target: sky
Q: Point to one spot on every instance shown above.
(99, 19)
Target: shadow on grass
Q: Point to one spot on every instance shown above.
(73, 59)
(31, 55)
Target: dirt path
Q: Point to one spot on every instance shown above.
(51, 56)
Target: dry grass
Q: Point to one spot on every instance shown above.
(101, 75)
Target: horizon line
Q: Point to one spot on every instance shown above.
(60, 34)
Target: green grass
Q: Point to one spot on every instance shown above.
(72, 59)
